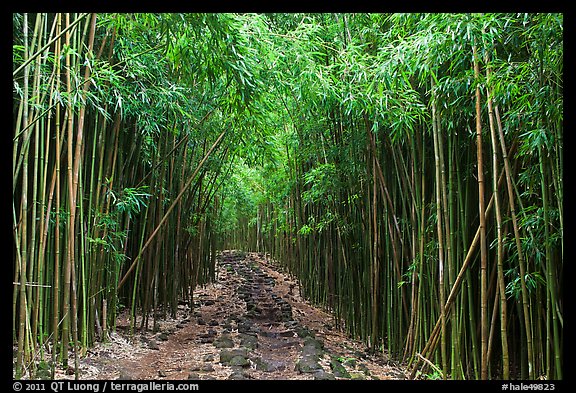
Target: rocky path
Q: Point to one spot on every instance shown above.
(250, 324)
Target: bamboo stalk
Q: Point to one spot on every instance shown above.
(22, 244)
(482, 209)
(499, 250)
(517, 237)
(432, 341)
(47, 45)
(439, 185)
(174, 203)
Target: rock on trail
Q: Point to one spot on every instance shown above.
(250, 324)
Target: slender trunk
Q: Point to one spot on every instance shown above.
(34, 292)
(374, 268)
(481, 212)
(70, 229)
(552, 302)
(47, 45)
(517, 237)
(500, 245)
(438, 183)
(23, 261)
(433, 340)
(56, 270)
(172, 206)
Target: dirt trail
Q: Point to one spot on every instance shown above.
(250, 324)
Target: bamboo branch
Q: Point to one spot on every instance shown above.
(435, 367)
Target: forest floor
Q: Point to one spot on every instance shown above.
(250, 324)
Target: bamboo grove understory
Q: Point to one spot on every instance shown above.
(406, 168)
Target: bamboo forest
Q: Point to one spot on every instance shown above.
(287, 196)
